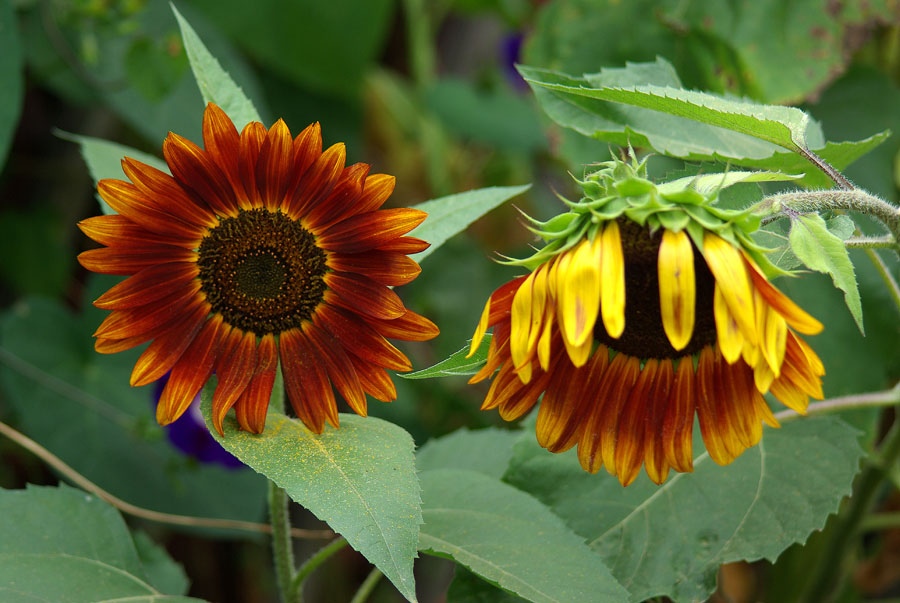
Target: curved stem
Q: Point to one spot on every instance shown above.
(885, 274)
(828, 169)
(829, 571)
(282, 545)
(368, 585)
(884, 241)
(880, 521)
(851, 402)
(126, 507)
(310, 565)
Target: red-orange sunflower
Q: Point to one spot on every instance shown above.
(258, 251)
(648, 305)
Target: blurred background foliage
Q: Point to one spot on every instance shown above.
(425, 90)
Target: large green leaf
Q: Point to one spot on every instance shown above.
(360, 479)
(823, 251)
(486, 451)
(450, 215)
(669, 540)
(509, 538)
(61, 544)
(12, 76)
(79, 405)
(216, 86)
(644, 105)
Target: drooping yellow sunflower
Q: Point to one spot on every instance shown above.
(258, 251)
(648, 305)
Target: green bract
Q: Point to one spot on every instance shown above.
(616, 188)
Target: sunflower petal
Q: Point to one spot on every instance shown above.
(677, 287)
(251, 407)
(728, 267)
(612, 275)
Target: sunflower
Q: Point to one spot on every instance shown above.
(258, 251)
(648, 305)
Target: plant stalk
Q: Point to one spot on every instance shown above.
(282, 546)
(886, 276)
(368, 585)
(310, 565)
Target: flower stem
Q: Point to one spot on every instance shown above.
(368, 585)
(851, 402)
(849, 200)
(884, 241)
(824, 584)
(885, 273)
(880, 521)
(828, 169)
(282, 546)
(125, 507)
(310, 565)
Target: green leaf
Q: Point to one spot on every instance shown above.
(451, 215)
(62, 544)
(821, 250)
(50, 376)
(216, 86)
(485, 451)
(669, 540)
(708, 183)
(104, 160)
(456, 365)
(12, 75)
(468, 587)
(163, 573)
(510, 539)
(566, 100)
(360, 479)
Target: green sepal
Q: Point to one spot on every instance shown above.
(676, 221)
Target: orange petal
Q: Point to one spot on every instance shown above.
(340, 370)
(119, 231)
(317, 181)
(128, 200)
(370, 230)
(252, 137)
(148, 285)
(678, 425)
(194, 170)
(362, 295)
(341, 202)
(113, 260)
(631, 429)
(409, 327)
(167, 195)
(792, 313)
(308, 389)
(564, 408)
(161, 355)
(191, 371)
(273, 167)
(654, 453)
(405, 245)
(134, 321)
(387, 267)
(223, 143)
(360, 338)
(234, 368)
(376, 191)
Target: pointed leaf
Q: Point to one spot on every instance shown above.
(509, 538)
(821, 250)
(457, 364)
(669, 540)
(360, 479)
(215, 84)
(451, 215)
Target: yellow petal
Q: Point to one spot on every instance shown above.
(543, 344)
(727, 266)
(728, 334)
(796, 317)
(677, 287)
(521, 322)
(481, 329)
(612, 277)
(775, 340)
(578, 283)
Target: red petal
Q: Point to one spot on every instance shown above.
(338, 205)
(148, 285)
(252, 138)
(128, 200)
(377, 189)
(251, 407)
(161, 355)
(307, 386)
(405, 245)
(167, 194)
(121, 324)
(191, 371)
(223, 143)
(370, 230)
(409, 327)
(115, 260)
(317, 181)
(194, 170)
(234, 367)
(273, 168)
(340, 369)
(363, 295)
(359, 338)
(119, 231)
(386, 267)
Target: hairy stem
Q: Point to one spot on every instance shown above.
(148, 514)
(886, 276)
(828, 169)
(847, 200)
(884, 242)
(310, 565)
(282, 546)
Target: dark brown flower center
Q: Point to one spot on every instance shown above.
(262, 271)
(644, 336)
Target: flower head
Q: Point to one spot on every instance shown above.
(646, 306)
(258, 251)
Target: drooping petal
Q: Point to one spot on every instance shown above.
(728, 267)
(612, 277)
(677, 287)
(251, 407)
(728, 333)
(654, 453)
(579, 292)
(234, 368)
(678, 425)
(338, 367)
(308, 389)
(628, 439)
(795, 316)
